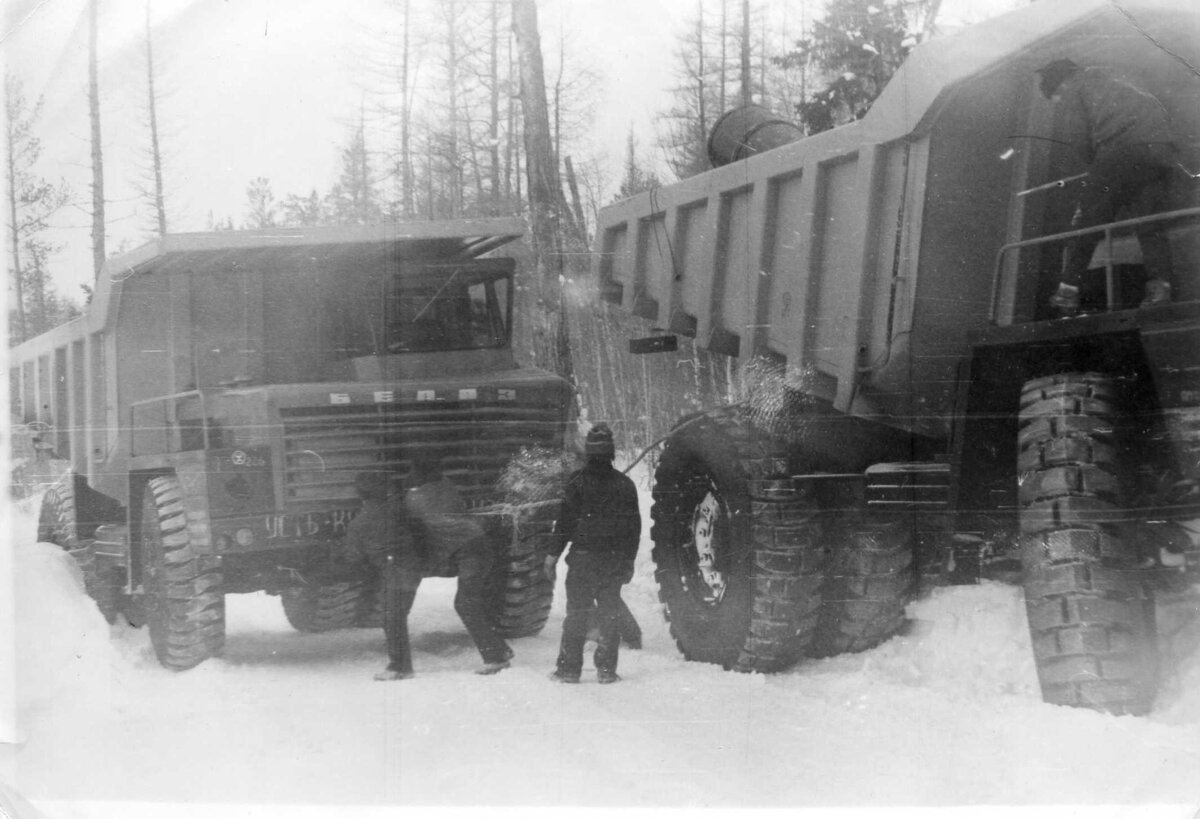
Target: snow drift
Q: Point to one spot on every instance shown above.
(945, 714)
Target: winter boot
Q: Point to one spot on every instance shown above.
(604, 677)
(496, 666)
(560, 677)
(1065, 300)
(389, 674)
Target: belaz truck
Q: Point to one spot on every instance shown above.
(911, 403)
(220, 394)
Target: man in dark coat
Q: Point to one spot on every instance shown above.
(380, 535)
(1124, 136)
(601, 522)
(456, 544)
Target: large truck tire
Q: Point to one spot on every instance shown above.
(737, 551)
(56, 517)
(58, 524)
(871, 578)
(521, 593)
(1091, 617)
(328, 606)
(184, 604)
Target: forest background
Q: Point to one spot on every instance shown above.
(126, 121)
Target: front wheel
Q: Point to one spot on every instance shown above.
(184, 604)
(520, 593)
(736, 550)
(1091, 619)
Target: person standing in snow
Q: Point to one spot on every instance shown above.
(380, 535)
(1125, 139)
(601, 522)
(456, 545)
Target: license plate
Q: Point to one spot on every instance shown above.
(323, 525)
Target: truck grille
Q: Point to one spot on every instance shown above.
(325, 447)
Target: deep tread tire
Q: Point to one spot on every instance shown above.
(870, 579)
(326, 607)
(57, 518)
(185, 607)
(1091, 619)
(769, 552)
(521, 593)
(58, 524)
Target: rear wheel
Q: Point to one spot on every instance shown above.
(1090, 617)
(736, 549)
(184, 604)
(58, 523)
(328, 607)
(870, 580)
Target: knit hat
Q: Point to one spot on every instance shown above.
(599, 441)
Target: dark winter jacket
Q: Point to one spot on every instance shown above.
(381, 529)
(1109, 113)
(599, 513)
(441, 519)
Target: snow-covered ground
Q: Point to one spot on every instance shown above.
(945, 715)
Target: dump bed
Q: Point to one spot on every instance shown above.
(864, 256)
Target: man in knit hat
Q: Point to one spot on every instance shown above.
(601, 522)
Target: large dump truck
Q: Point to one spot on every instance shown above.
(215, 403)
(912, 406)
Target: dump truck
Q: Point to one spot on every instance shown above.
(912, 410)
(212, 408)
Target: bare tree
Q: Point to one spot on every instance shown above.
(156, 160)
(98, 222)
(32, 201)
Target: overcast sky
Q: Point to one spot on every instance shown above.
(268, 88)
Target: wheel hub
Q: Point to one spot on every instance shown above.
(706, 541)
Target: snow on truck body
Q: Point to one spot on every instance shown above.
(890, 275)
(225, 388)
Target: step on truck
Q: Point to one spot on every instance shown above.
(213, 405)
(912, 409)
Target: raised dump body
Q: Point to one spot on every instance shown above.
(244, 379)
(916, 405)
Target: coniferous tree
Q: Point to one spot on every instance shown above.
(32, 201)
(858, 45)
(260, 203)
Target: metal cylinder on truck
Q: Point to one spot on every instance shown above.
(748, 130)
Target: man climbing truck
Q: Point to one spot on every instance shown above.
(911, 403)
(223, 390)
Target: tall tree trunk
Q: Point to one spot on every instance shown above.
(747, 90)
(577, 203)
(545, 189)
(455, 175)
(408, 202)
(10, 166)
(98, 253)
(160, 208)
(721, 106)
(541, 171)
(494, 122)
